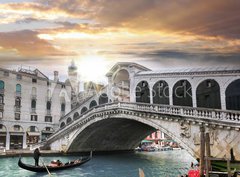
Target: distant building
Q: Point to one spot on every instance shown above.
(30, 106)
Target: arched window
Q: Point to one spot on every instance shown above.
(62, 125)
(84, 109)
(33, 104)
(233, 95)
(182, 93)
(161, 93)
(142, 92)
(18, 88)
(63, 107)
(76, 115)
(92, 104)
(103, 99)
(69, 120)
(48, 105)
(208, 94)
(1, 85)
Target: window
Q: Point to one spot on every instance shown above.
(18, 102)
(48, 118)
(18, 88)
(34, 80)
(63, 86)
(48, 83)
(48, 128)
(1, 85)
(1, 99)
(17, 116)
(19, 77)
(48, 105)
(34, 117)
(33, 104)
(63, 107)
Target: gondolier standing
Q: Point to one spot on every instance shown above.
(36, 155)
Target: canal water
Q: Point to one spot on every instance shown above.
(154, 164)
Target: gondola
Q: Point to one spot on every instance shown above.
(44, 168)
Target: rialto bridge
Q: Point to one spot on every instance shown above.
(137, 101)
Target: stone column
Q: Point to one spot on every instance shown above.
(194, 97)
(24, 140)
(170, 96)
(223, 97)
(7, 141)
(151, 95)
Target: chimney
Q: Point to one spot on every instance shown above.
(55, 76)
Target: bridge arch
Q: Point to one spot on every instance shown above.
(182, 93)
(92, 104)
(121, 83)
(94, 128)
(233, 95)
(103, 99)
(160, 92)
(142, 92)
(84, 109)
(208, 94)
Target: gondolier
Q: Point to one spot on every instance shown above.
(36, 155)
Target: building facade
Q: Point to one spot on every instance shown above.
(30, 106)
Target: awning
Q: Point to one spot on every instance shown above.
(147, 141)
(33, 133)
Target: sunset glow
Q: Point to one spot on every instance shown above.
(158, 34)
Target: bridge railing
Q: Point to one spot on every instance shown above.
(198, 113)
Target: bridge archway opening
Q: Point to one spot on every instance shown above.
(161, 93)
(83, 110)
(233, 95)
(182, 93)
(143, 92)
(92, 104)
(121, 86)
(103, 99)
(111, 134)
(208, 94)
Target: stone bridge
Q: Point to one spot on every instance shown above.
(122, 126)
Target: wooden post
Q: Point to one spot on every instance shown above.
(202, 151)
(208, 154)
(228, 168)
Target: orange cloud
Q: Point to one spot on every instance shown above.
(26, 43)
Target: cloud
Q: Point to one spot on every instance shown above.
(26, 43)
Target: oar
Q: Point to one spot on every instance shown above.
(46, 168)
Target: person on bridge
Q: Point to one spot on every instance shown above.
(36, 155)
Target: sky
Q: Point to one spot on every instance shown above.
(159, 34)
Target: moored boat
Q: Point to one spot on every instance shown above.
(47, 168)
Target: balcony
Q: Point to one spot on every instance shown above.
(2, 91)
(33, 96)
(17, 108)
(48, 112)
(18, 94)
(33, 110)
(1, 106)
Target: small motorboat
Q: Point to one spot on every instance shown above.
(48, 168)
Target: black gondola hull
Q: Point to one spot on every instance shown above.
(43, 168)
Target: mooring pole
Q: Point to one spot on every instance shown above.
(202, 151)
(208, 154)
